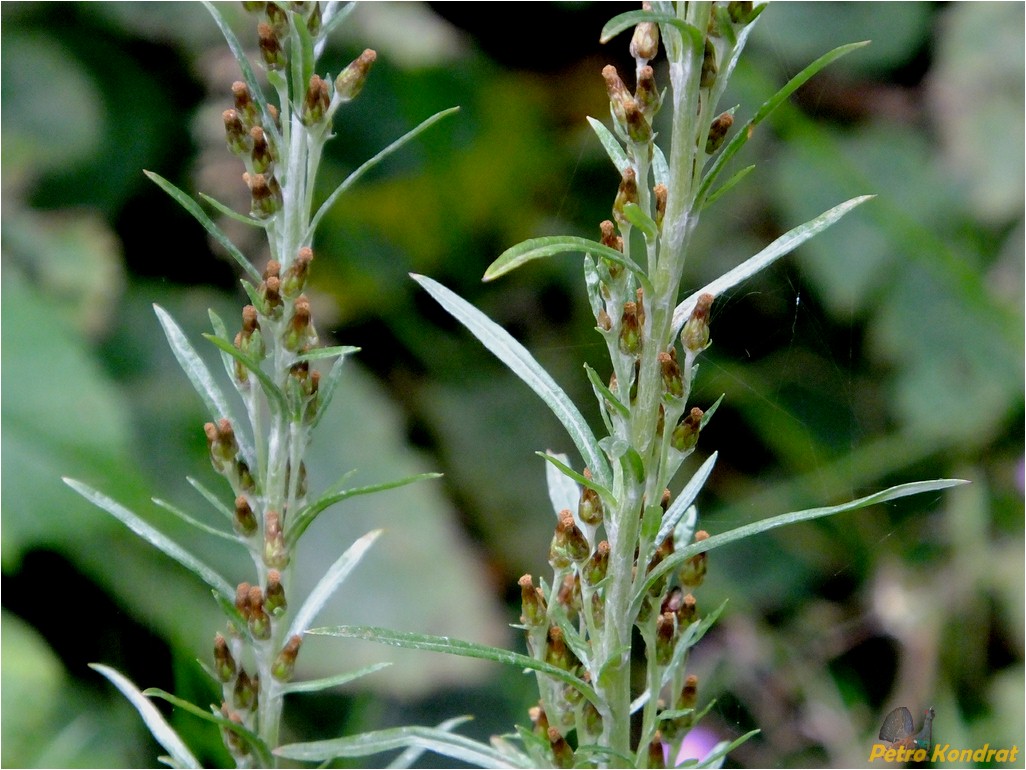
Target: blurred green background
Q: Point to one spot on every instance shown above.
(889, 349)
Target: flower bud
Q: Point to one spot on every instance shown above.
(656, 758)
(689, 693)
(224, 662)
(261, 154)
(245, 521)
(245, 107)
(259, 621)
(709, 66)
(666, 629)
(270, 290)
(630, 330)
(561, 751)
(604, 322)
(316, 102)
(270, 47)
(235, 132)
(246, 691)
(275, 602)
(718, 132)
(685, 435)
(695, 334)
(236, 745)
(221, 443)
(687, 611)
(276, 555)
(532, 602)
(569, 595)
(660, 193)
(350, 81)
(265, 194)
(539, 721)
(284, 665)
(278, 17)
(595, 570)
(556, 652)
(609, 236)
(626, 193)
(589, 508)
(647, 94)
(619, 96)
(673, 383)
(692, 572)
(568, 543)
(242, 599)
(645, 43)
(295, 277)
(638, 128)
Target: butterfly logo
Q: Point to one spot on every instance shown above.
(899, 731)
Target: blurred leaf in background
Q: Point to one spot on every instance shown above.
(888, 349)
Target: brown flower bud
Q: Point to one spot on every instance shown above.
(561, 751)
(568, 543)
(660, 193)
(532, 602)
(261, 154)
(709, 65)
(224, 662)
(626, 193)
(245, 521)
(695, 334)
(647, 93)
(235, 132)
(718, 132)
(673, 382)
(589, 508)
(609, 236)
(276, 554)
(275, 602)
(685, 435)
(692, 572)
(245, 107)
(619, 96)
(295, 277)
(539, 721)
(638, 128)
(316, 102)
(595, 570)
(246, 691)
(631, 335)
(284, 665)
(645, 43)
(270, 47)
(350, 81)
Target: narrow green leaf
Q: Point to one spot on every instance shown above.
(893, 493)
(201, 378)
(241, 730)
(783, 245)
(158, 726)
(594, 750)
(611, 145)
(247, 70)
(685, 528)
(741, 137)
(274, 395)
(233, 614)
(211, 498)
(626, 21)
(660, 167)
(632, 462)
(581, 479)
(708, 413)
(316, 685)
(456, 647)
(208, 224)
(221, 330)
(504, 347)
(303, 45)
(564, 494)
(715, 757)
(319, 353)
(195, 522)
(330, 582)
(413, 753)
(551, 245)
(716, 194)
(368, 165)
(432, 739)
(605, 394)
(231, 213)
(303, 519)
(153, 536)
(641, 220)
(686, 497)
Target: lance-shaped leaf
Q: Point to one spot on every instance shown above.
(504, 347)
(564, 494)
(158, 726)
(242, 731)
(430, 738)
(413, 753)
(316, 685)
(294, 527)
(330, 582)
(684, 500)
(275, 398)
(611, 145)
(551, 245)
(783, 245)
(201, 378)
(581, 479)
(457, 647)
(153, 536)
(200, 215)
(626, 21)
(196, 523)
(679, 557)
(231, 213)
(742, 135)
(368, 165)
